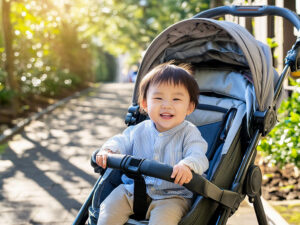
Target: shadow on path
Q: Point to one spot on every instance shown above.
(46, 171)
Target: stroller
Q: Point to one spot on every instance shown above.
(240, 92)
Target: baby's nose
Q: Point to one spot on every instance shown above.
(166, 103)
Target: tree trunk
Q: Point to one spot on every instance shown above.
(216, 3)
(12, 83)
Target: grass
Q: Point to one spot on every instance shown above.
(291, 213)
(2, 148)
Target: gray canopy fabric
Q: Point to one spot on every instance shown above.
(200, 40)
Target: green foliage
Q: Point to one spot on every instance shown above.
(3, 147)
(50, 84)
(5, 95)
(106, 68)
(130, 25)
(53, 48)
(45, 41)
(2, 79)
(282, 145)
(290, 212)
(272, 43)
(68, 44)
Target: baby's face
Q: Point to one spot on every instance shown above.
(167, 105)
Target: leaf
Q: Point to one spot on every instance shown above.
(294, 153)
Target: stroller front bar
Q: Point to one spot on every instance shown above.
(200, 185)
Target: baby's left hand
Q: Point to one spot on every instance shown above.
(182, 174)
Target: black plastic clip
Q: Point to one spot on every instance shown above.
(131, 167)
(134, 116)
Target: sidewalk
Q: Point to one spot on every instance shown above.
(45, 170)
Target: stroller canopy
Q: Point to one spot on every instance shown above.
(200, 40)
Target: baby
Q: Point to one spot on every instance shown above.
(168, 93)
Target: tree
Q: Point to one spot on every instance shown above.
(46, 49)
(130, 25)
(216, 3)
(12, 83)
(49, 46)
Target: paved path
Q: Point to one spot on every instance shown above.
(45, 171)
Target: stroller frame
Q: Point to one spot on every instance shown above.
(263, 122)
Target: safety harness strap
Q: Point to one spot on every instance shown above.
(140, 205)
(225, 197)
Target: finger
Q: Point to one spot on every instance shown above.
(98, 159)
(188, 174)
(188, 177)
(101, 162)
(178, 177)
(187, 180)
(182, 180)
(174, 173)
(104, 160)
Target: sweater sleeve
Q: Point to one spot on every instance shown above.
(194, 150)
(121, 143)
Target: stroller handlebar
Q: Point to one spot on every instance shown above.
(133, 166)
(251, 11)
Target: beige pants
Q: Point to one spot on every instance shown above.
(118, 206)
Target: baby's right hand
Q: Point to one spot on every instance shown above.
(101, 158)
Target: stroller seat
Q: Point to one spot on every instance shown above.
(214, 117)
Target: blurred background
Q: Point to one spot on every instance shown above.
(50, 49)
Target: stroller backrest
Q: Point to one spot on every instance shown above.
(220, 112)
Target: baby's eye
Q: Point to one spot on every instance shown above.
(158, 98)
(176, 99)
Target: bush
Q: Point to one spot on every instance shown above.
(282, 145)
(106, 66)
(61, 80)
(5, 94)
(49, 84)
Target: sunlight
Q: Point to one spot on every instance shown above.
(17, 32)
(29, 35)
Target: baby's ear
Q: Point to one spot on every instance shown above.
(191, 108)
(143, 105)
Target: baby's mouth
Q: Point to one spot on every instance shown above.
(166, 115)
